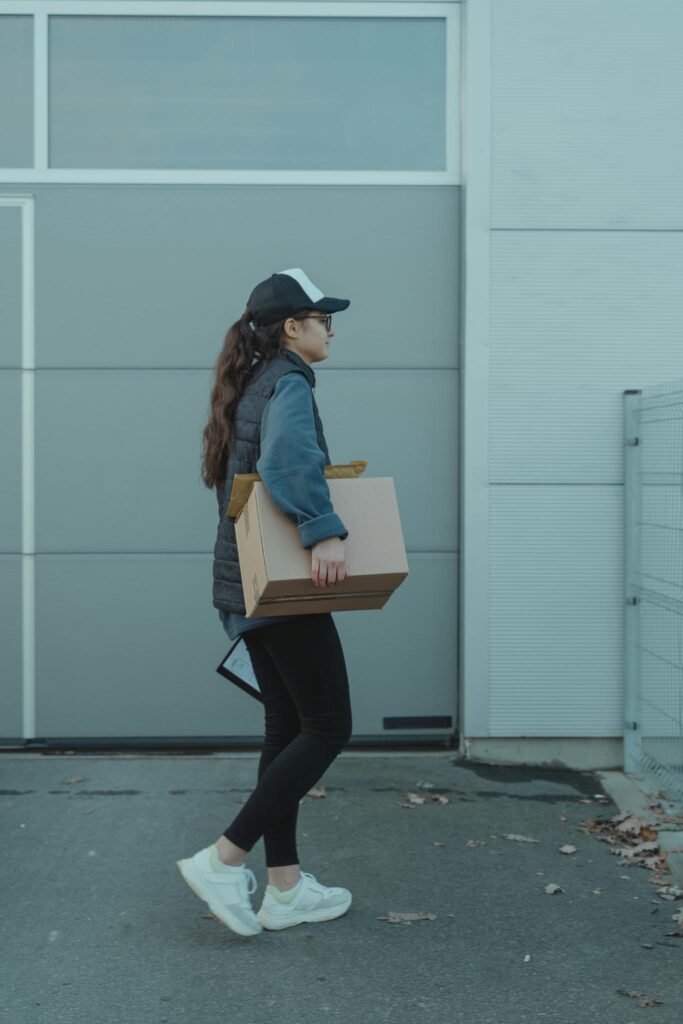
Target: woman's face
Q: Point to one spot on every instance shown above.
(308, 338)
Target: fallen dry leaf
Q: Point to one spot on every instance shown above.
(640, 998)
(643, 840)
(629, 852)
(414, 798)
(439, 798)
(567, 848)
(406, 917)
(519, 839)
(551, 887)
(630, 824)
(665, 894)
(317, 792)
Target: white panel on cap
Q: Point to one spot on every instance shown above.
(314, 294)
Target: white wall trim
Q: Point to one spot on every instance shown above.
(28, 533)
(20, 176)
(224, 8)
(474, 391)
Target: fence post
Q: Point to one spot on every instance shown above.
(632, 714)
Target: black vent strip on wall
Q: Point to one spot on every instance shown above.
(419, 722)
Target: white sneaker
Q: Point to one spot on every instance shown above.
(226, 892)
(307, 901)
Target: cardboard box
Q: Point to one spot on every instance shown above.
(276, 569)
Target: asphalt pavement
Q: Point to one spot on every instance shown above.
(469, 903)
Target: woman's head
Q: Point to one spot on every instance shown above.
(308, 334)
(245, 341)
(278, 316)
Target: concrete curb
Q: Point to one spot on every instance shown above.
(633, 794)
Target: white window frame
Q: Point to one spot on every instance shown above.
(42, 10)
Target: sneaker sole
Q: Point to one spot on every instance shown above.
(194, 879)
(303, 917)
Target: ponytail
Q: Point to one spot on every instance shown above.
(244, 342)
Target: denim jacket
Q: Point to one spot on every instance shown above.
(291, 466)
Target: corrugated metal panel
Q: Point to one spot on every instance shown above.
(575, 319)
(585, 102)
(556, 611)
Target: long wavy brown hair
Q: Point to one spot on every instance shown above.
(242, 344)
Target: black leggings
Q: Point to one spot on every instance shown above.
(300, 667)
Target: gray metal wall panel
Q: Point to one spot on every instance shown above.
(576, 317)
(10, 460)
(585, 108)
(406, 425)
(16, 91)
(10, 286)
(117, 462)
(556, 594)
(121, 398)
(152, 277)
(585, 302)
(403, 659)
(117, 454)
(11, 724)
(127, 645)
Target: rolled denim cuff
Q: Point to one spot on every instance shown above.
(320, 528)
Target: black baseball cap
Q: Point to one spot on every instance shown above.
(287, 292)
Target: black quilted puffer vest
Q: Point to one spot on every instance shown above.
(245, 450)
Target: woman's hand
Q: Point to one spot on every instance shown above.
(328, 561)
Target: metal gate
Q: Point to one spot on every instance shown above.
(653, 579)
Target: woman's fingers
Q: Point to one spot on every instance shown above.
(326, 573)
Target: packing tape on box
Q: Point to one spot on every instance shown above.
(243, 482)
(332, 596)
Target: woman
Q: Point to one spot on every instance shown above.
(264, 419)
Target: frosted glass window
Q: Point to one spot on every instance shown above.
(16, 91)
(247, 93)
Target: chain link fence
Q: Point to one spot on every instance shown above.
(653, 577)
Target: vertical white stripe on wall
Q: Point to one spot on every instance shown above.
(474, 390)
(28, 533)
(25, 204)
